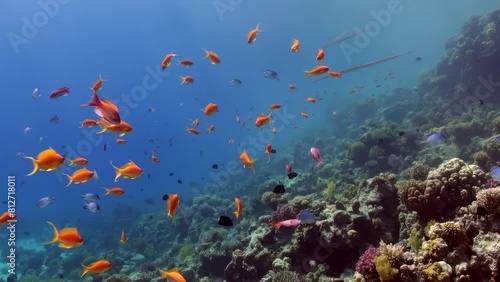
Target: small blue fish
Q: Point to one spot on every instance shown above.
(90, 197)
(92, 206)
(235, 81)
(45, 201)
(271, 74)
(434, 138)
(307, 216)
(495, 173)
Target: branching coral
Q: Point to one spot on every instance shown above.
(489, 199)
(286, 276)
(366, 265)
(394, 253)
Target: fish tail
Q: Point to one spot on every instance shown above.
(95, 101)
(319, 163)
(96, 177)
(236, 215)
(69, 178)
(56, 234)
(35, 165)
(117, 170)
(277, 225)
(206, 53)
(308, 73)
(107, 191)
(269, 156)
(85, 269)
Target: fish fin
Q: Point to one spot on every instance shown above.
(277, 225)
(107, 191)
(95, 175)
(85, 269)
(35, 165)
(70, 179)
(95, 101)
(117, 170)
(56, 234)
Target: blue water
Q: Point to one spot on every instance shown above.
(126, 40)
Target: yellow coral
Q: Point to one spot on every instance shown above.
(393, 253)
(384, 269)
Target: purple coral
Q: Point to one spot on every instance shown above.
(283, 212)
(366, 265)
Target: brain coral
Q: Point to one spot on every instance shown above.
(449, 186)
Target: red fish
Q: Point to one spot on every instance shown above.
(63, 91)
(106, 109)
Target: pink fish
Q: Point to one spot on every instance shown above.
(106, 109)
(63, 91)
(316, 155)
(288, 168)
(288, 223)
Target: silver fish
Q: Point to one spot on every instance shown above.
(90, 197)
(92, 206)
(45, 201)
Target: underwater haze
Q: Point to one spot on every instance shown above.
(240, 163)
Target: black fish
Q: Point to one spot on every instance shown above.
(279, 189)
(105, 146)
(380, 141)
(481, 102)
(165, 197)
(170, 174)
(215, 166)
(150, 217)
(401, 133)
(273, 151)
(179, 181)
(418, 59)
(225, 221)
(292, 175)
(378, 85)
(149, 175)
(61, 276)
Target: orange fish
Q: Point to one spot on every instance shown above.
(231, 141)
(68, 237)
(239, 208)
(129, 170)
(47, 160)
(304, 115)
(212, 56)
(247, 161)
(154, 158)
(295, 45)
(122, 128)
(275, 106)
(172, 274)
(78, 161)
(269, 148)
(335, 74)
(173, 204)
(117, 191)
(96, 267)
(210, 128)
(311, 100)
(263, 120)
(6, 217)
(252, 34)
(98, 84)
(291, 87)
(196, 121)
(187, 79)
(186, 63)
(81, 176)
(317, 70)
(106, 109)
(321, 55)
(166, 61)
(210, 109)
(124, 238)
(121, 141)
(192, 130)
(89, 122)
